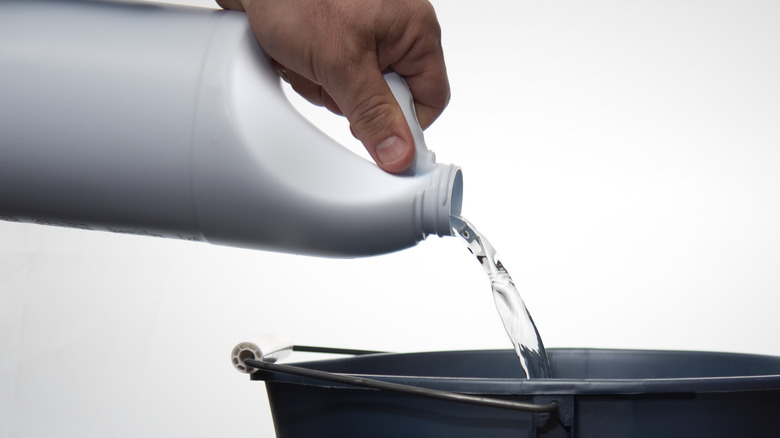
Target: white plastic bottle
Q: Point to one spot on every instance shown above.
(169, 121)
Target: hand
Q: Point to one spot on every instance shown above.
(333, 53)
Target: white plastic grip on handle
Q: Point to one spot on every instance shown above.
(250, 350)
(424, 159)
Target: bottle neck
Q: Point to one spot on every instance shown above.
(442, 199)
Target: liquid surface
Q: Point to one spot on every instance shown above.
(517, 321)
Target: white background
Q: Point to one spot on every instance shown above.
(622, 156)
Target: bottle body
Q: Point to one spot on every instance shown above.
(169, 121)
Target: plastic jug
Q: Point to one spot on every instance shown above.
(169, 121)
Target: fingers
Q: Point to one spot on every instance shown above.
(422, 63)
(376, 120)
(375, 117)
(309, 90)
(431, 94)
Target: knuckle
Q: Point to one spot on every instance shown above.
(370, 115)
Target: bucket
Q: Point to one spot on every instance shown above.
(594, 393)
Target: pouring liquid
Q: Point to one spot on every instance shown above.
(517, 321)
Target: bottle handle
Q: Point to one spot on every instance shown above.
(444, 195)
(424, 159)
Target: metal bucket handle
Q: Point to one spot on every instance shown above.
(261, 364)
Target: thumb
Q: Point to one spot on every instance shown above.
(377, 121)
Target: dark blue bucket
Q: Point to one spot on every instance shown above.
(597, 394)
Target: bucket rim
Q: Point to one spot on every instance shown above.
(500, 386)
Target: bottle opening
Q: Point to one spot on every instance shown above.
(441, 200)
(456, 198)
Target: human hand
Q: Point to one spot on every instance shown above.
(333, 53)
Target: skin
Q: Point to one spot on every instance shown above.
(333, 53)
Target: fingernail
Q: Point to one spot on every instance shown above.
(390, 150)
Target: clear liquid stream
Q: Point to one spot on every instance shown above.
(517, 320)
